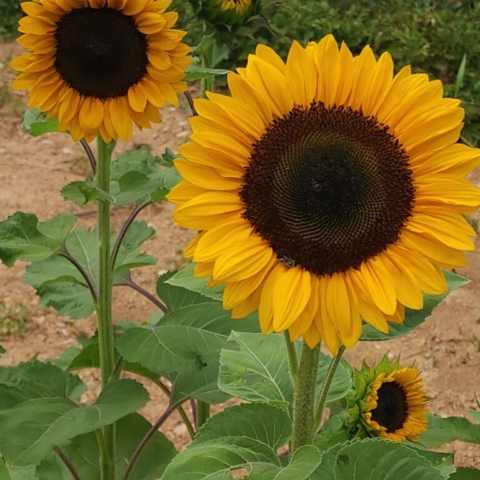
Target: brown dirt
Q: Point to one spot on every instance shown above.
(33, 171)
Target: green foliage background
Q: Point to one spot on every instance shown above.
(432, 35)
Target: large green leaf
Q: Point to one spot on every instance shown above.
(375, 459)
(188, 338)
(23, 238)
(413, 318)
(51, 420)
(259, 372)
(443, 430)
(380, 460)
(83, 453)
(28, 381)
(245, 436)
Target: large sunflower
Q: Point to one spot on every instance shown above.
(98, 65)
(327, 191)
(392, 402)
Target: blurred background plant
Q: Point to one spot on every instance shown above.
(432, 35)
(13, 318)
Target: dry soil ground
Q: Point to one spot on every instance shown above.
(446, 348)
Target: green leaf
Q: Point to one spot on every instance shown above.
(134, 178)
(83, 453)
(413, 318)
(189, 337)
(259, 371)
(196, 72)
(21, 473)
(2, 350)
(128, 256)
(38, 380)
(22, 238)
(37, 123)
(304, 461)
(466, 474)
(60, 284)
(377, 459)
(201, 385)
(135, 186)
(84, 192)
(245, 436)
(444, 430)
(187, 280)
(52, 420)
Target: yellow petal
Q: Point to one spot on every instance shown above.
(208, 210)
(378, 284)
(290, 297)
(242, 260)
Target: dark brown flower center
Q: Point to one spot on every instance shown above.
(100, 53)
(327, 188)
(392, 407)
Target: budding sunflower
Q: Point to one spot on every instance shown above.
(228, 14)
(388, 402)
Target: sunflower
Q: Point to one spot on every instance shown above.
(327, 191)
(392, 401)
(98, 65)
(240, 6)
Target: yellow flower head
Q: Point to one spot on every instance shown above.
(99, 65)
(392, 401)
(328, 191)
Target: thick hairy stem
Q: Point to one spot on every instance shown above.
(303, 426)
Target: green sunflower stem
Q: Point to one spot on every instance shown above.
(104, 303)
(303, 426)
(322, 398)
(203, 412)
(292, 360)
